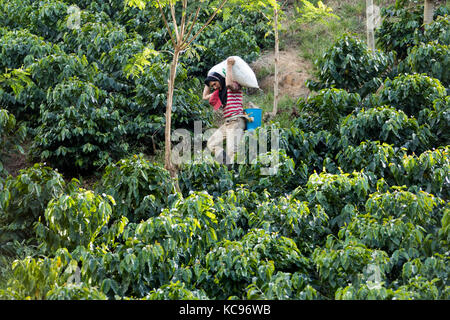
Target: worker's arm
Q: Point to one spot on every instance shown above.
(206, 93)
(229, 82)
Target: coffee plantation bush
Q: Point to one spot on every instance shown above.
(209, 176)
(385, 124)
(327, 107)
(427, 171)
(437, 31)
(311, 151)
(11, 135)
(432, 59)
(343, 261)
(401, 27)
(143, 187)
(23, 201)
(88, 131)
(370, 156)
(339, 195)
(75, 219)
(438, 118)
(411, 93)
(350, 65)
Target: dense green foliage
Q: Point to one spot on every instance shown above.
(354, 204)
(11, 135)
(402, 28)
(350, 65)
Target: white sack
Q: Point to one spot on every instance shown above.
(242, 73)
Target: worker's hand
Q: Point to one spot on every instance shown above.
(230, 61)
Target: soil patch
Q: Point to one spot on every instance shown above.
(293, 71)
(14, 161)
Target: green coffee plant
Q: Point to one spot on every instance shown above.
(340, 195)
(209, 176)
(232, 213)
(176, 291)
(79, 129)
(444, 231)
(74, 219)
(431, 59)
(427, 171)
(18, 93)
(15, 13)
(438, 118)
(349, 65)
(284, 286)
(190, 225)
(131, 269)
(155, 252)
(120, 62)
(417, 208)
(293, 219)
(436, 31)
(23, 201)
(411, 93)
(93, 39)
(370, 156)
(281, 250)
(315, 149)
(268, 171)
(46, 73)
(142, 187)
(151, 91)
(44, 17)
(36, 278)
(398, 27)
(82, 291)
(11, 135)
(427, 278)
(401, 27)
(235, 263)
(387, 234)
(373, 292)
(328, 106)
(342, 262)
(55, 68)
(387, 125)
(19, 47)
(245, 198)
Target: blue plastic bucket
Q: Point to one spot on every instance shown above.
(256, 113)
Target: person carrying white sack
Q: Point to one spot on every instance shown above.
(227, 93)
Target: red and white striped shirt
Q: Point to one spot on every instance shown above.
(234, 104)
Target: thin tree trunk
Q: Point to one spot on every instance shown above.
(168, 143)
(370, 24)
(428, 11)
(277, 57)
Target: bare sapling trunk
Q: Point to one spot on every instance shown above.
(428, 11)
(168, 143)
(370, 16)
(277, 58)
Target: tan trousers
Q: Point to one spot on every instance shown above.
(231, 131)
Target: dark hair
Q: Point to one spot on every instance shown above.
(214, 76)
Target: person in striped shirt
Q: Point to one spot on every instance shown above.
(227, 94)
